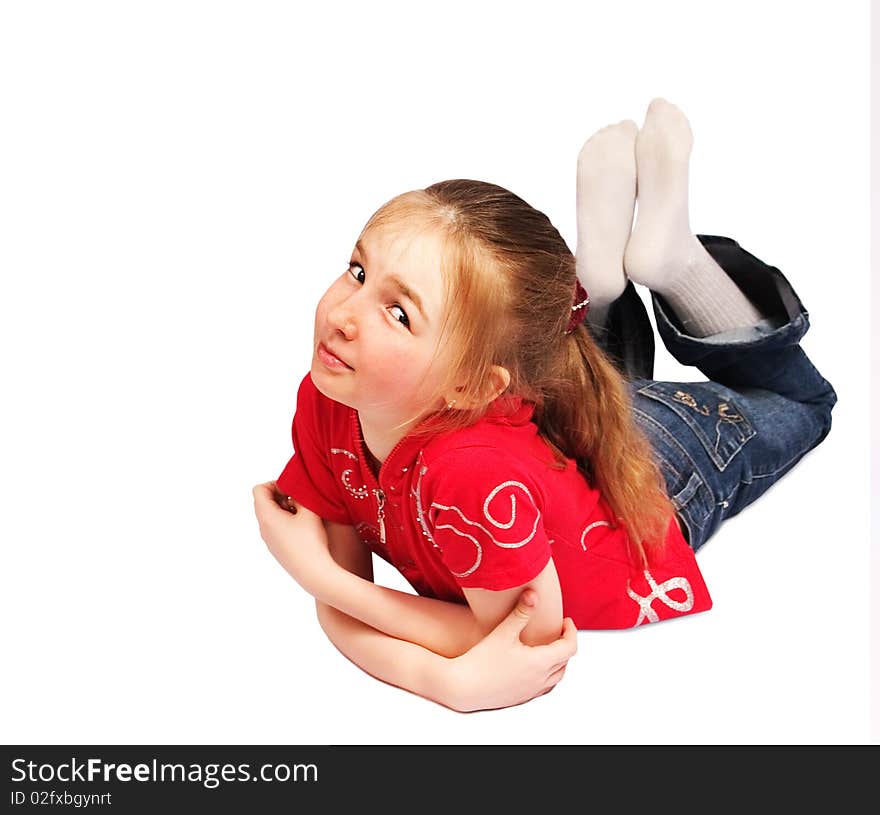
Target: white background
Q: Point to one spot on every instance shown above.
(181, 181)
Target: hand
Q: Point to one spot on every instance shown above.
(500, 670)
(296, 537)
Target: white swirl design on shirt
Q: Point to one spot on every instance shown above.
(660, 593)
(589, 529)
(500, 524)
(344, 452)
(358, 492)
(479, 558)
(416, 492)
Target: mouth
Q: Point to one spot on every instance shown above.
(331, 360)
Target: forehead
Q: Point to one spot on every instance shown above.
(412, 254)
(398, 239)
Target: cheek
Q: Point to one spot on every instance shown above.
(391, 364)
(321, 312)
(400, 369)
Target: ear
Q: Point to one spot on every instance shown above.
(497, 383)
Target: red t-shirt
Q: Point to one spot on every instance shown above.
(484, 508)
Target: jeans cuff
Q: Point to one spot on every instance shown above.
(785, 319)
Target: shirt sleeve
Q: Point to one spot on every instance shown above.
(486, 519)
(308, 477)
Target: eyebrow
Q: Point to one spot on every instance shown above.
(398, 283)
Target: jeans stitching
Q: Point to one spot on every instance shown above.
(747, 433)
(686, 455)
(780, 468)
(665, 431)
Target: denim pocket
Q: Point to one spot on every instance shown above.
(686, 487)
(712, 415)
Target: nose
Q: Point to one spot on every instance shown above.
(341, 318)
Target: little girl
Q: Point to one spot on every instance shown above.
(518, 465)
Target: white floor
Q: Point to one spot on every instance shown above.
(170, 225)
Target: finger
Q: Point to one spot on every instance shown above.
(554, 679)
(546, 690)
(556, 676)
(262, 490)
(264, 499)
(269, 489)
(564, 648)
(263, 502)
(518, 617)
(554, 667)
(569, 634)
(520, 614)
(526, 604)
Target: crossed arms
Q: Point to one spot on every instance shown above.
(502, 648)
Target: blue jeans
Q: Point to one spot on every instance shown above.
(722, 443)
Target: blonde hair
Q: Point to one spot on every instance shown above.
(509, 279)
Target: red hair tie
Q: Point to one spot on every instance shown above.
(579, 309)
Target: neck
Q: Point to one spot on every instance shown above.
(378, 441)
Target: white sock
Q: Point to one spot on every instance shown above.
(663, 254)
(606, 191)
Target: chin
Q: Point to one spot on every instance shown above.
(324, 384)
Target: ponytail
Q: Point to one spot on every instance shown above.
(586, 415)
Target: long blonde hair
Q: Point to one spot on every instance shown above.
(509, 279)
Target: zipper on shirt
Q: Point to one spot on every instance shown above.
(380, 498)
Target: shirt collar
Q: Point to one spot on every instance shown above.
(510, 409)
(507, 409)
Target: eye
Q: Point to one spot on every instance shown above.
(360, 276)
(405, 320)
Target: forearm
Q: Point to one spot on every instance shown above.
(332, 564)
(395, 661)
(448, 629)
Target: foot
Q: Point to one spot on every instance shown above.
(606, 191)
(663, 254)
(662, 241)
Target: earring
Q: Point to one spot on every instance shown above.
(451, 404)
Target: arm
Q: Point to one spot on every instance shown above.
(490, 607)
(397, 662)
(332, 564)
(499, 671)
(448, 629)
(394, 661)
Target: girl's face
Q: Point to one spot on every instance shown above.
(381, 318)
